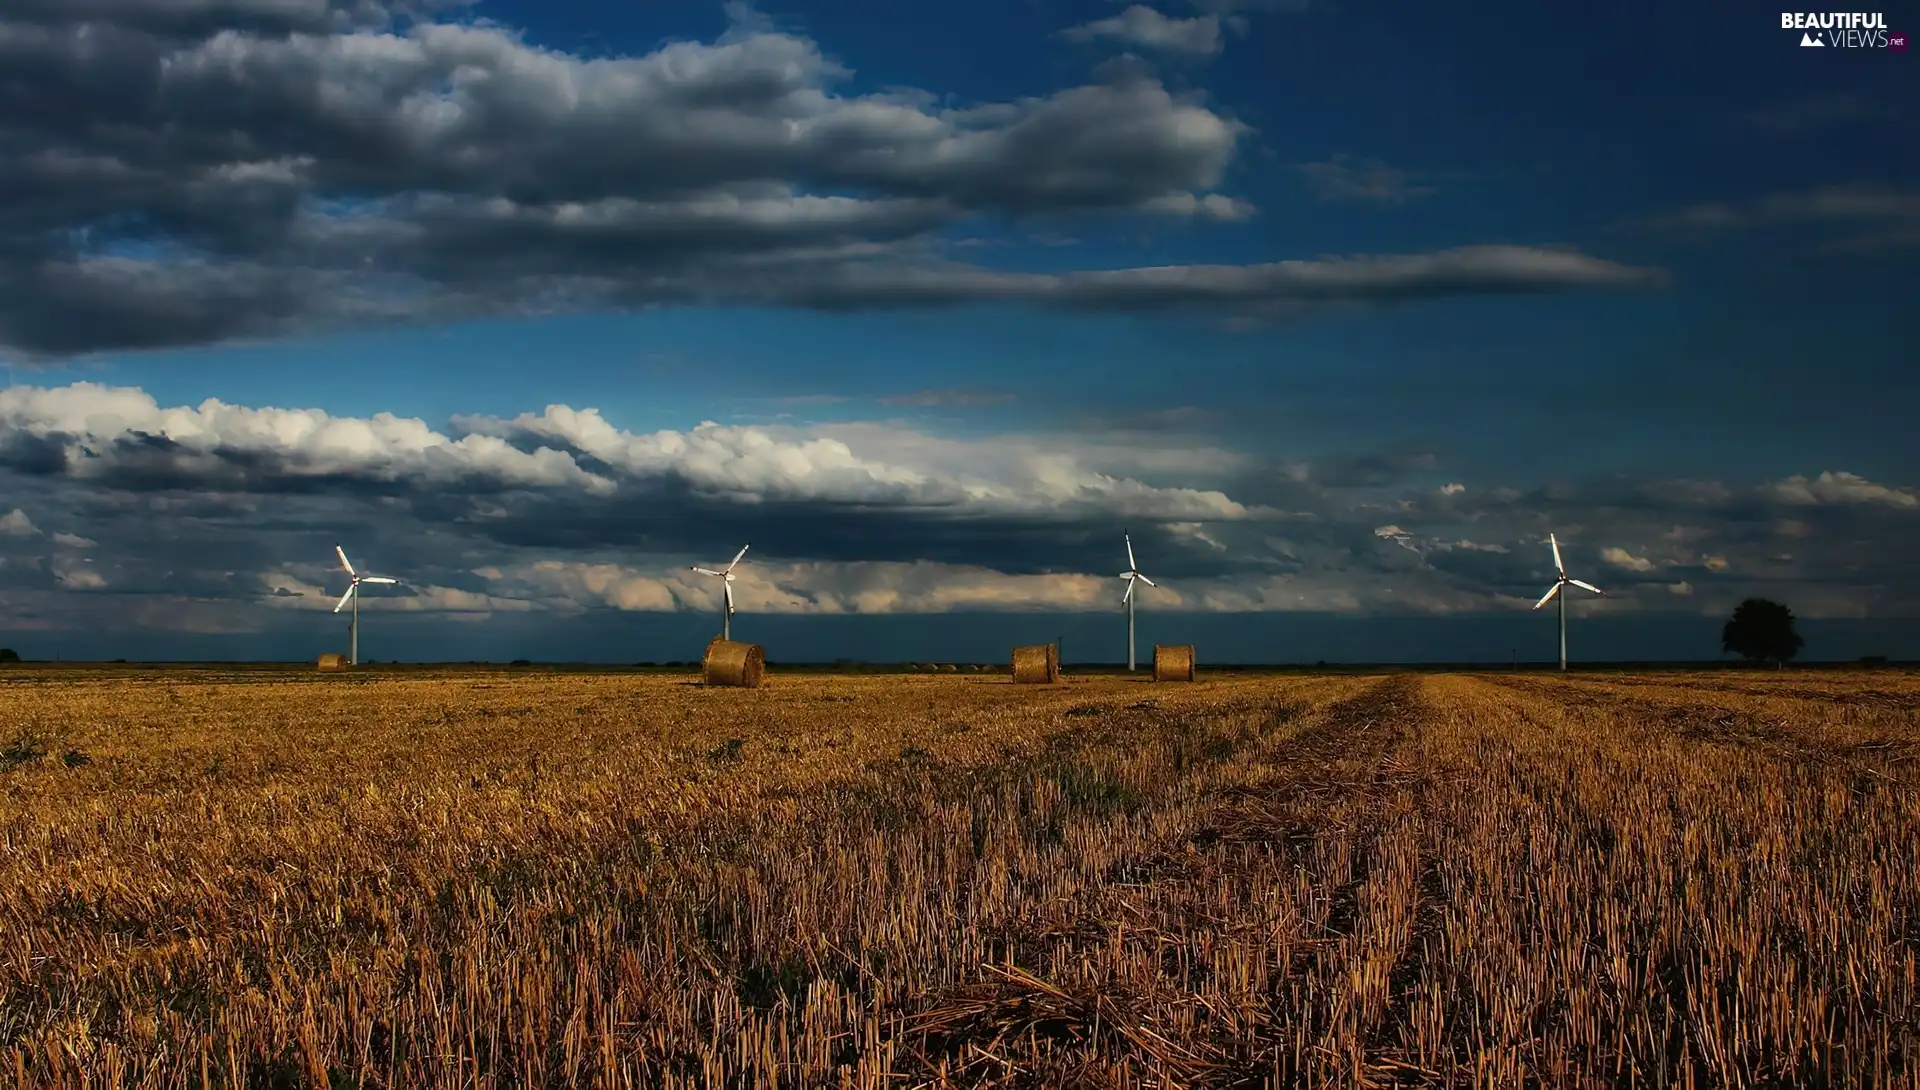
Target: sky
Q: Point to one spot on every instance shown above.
(1337, 309)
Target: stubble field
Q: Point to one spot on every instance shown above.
(526, 879)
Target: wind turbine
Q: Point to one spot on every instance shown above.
(353, 595)
(1559, 588)
(726, 590)
(1130, 575)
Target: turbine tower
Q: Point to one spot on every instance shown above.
(726, 591)
(353, 595)
(1131, 575)
(1559, 588)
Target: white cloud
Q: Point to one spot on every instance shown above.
(1452, 489)
(1621, 558)
(103, 431)
(1195, 532)
(1831, 487)
(77, 578)
(73, 541)
(221, 442)
(1683, 588)
(879, 464)
(1145, 28)
(15, 523)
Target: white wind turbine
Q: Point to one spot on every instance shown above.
(1130, 575)
(726, 591)
(1559, 588)
(353, 595)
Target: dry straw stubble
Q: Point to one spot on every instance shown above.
(471, 879)
(1036, 665)
(735, 664)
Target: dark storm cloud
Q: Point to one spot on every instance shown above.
(191, 171)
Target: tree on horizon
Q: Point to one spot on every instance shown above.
(1761, 630)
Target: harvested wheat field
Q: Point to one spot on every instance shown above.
(544, 879)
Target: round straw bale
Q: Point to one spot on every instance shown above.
(946, 668)
(1173, 662)
(332, 660)
(730, 662)
(1036, 665)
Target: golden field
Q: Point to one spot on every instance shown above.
(520, 878)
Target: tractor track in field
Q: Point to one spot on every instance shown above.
(1318, 810)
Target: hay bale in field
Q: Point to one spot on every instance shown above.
(1173, 662)
(1036, 665)
(730, 662)
(332, 660)
(946, 668)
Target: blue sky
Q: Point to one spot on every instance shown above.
(1409, 288)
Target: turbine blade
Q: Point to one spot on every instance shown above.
(737, 556)
(706, 571)
(377, 579)
(727, 588)
(1131, 562)
(345, 598)
(1128, 596)
(1555, 542)
(1587, 586)
(1128, 574)
(1548, 596)
(343, 560)
(1148, 582)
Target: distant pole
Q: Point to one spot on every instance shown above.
(353, 633)
(1563, 627)
(726, 624)
(1130, 664)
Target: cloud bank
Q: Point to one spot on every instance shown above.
(225, 515)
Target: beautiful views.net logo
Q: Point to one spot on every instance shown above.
(1843, 29)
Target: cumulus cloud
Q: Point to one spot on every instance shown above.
(198, 171)
(15, 523)
(1621, 558)
(1142, 27)
(1830, 487)
(88, 431)
(120, 436)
